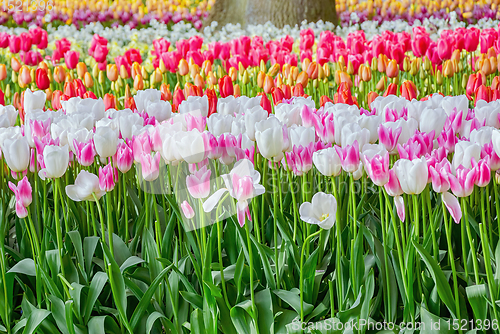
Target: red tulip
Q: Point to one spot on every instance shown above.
(277, 95)
(166, 94)
(56, 100)
(79, 87)
(2, 98)
(475, 80)
(471, 39)
(298, 90)
(483, 93)
(42, 78)
(25, 41)
(265, 103)
(129, 103)
(212, 101)
(287, 91)
(69, 89)
(178, 98)
(408, 90)
(89, 95)
(343, 94)
(109, 101)
(370, 98)
(324, 99)
(444, 49)
(226, 86)
(391, 90)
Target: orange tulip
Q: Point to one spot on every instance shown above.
(112, 72)
(371, 97)
(237, 91)
(392, 69)
(81, 69)
(3, 72)
(166, 94)
(87, 80)
(136, 69)
(268, 84)
(198, 81)
(24, 76)
(183, 67)
(123, 72)
(408, 90)
(261, 76)
(15, 64)
(495, 83)
(303, 78)
(312, 71)
(206, 67)
(233, 74)
(138, 82)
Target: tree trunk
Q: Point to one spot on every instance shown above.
(279, 12)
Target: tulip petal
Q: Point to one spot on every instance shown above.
(212, 201)
(400, 207)
(453, 206)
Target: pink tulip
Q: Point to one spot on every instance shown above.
(150, 165)
(439, 176)
(488, 152)
(23, 196)
(453, 206)
(377, 168)
(141, 144)
(198, 184)
(483, 172)
(227, 144)
(462, 184)
(106, 178)
(195, 122)
(187, 210)
(349, 156)
(389, 137)
(85, 152)
(71, 59)
(300, 159)
(123, 158)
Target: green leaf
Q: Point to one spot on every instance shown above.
(96, 286)
(131, 261)
(432, 323)
(193, 298)
(59, 313)
(89, 245)
(238, 272)
(240, 316)
(103, 324)
(151, 320)
(477, 296)
(440, 280)
(35, 319)
(197, 324)
(264, 304)
(69, 316)
(146, 299)
(25, 266)
(77, 243)
(292, 298)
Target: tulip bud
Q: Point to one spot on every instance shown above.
(260, 79)
(166, 94)
(113, 86)
(465, 79)
(112, 72)
(486, 68)
(392, 69)
(7, 90)
(144, 73)
(101, 77)
(439, 77)
(87, 80)
(341, 62)
(350, 68)
(48, 92)
(138, 82)
(119, 83)
(14, 77)
(262, 66)
(245, 78)
(24, 76)
(381, 65)
(303, 78)
(497, 177)
(183, 67)
(305, 64)
(123, 72)
(198, 81)
(406, 64)
(371, 97)
(233, 74)
(448, 69)
(59, 74)
(81, 69)
(162, 66)
(366, 73)
(286, 70)
(361, 86)
(326, 68)
(3, 72)
(211, 78)
(321, 73)
(427, 64)
(274, 70)
(381, 83)
(237, 91)
(95, 70)
(241, 68)
(374, 64)
(268, 84)
(206, 67)
(15, 64)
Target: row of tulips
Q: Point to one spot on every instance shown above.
(462, 61)
(224, 213)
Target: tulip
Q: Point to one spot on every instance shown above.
(112, 72)
(408, 90)
(71, 59)
(59, 74)
(16, 153)
(183, 67)
(225, 86)
(106, 178)
(453, 206)
(123, 158)
(42, 79)
(187, 210)
(56, 160)
(23, 195)
(269, 137)
(34, 100)
(109, 101)
(198, 184)
(377, 168)
(105, 141)
(392, 69)
(150, 166)
(391, 90)
(473, 83)
(349, 156)
(327, 161)
(85, 152)
(265, 103)
(24, 76)
(86, 188)
(3, 72)
(321, 211)
(412, 175)
(242, 183)
(462, 184)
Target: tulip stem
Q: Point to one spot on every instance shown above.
(340, 249)
(250, 259)
(294, 200)
(452, 260)
(489, 273)
(109, 216)
(353, 199)
(383, 225)
(301, 283)
(275, 207)
(58, 224)
(471, 242)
